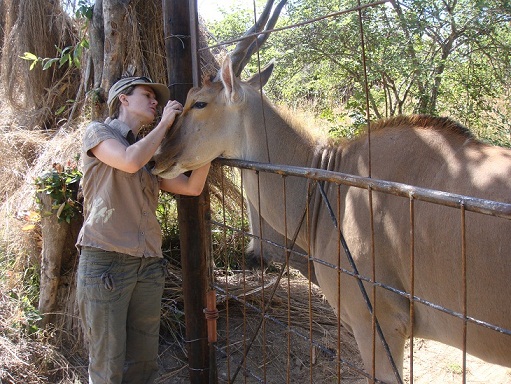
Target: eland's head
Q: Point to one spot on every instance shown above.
(213, 116)
(212, 123)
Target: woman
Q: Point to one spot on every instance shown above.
(121, 268)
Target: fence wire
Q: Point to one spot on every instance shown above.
(253, 293)
(275, 326)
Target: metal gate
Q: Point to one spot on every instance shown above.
(274, 328)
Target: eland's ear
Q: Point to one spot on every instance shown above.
(232, 89)
(260, 79)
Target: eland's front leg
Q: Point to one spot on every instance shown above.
(386, 338)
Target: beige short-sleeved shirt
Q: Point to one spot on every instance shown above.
(119, 207)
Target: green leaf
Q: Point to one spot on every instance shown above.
(29, 56)
(49, 63)
(60, 110)
(77, 53)
(64, 59)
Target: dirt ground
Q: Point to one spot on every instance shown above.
(278, 356)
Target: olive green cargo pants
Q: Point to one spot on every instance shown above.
(120, 301)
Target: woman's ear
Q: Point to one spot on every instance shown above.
(123, 99)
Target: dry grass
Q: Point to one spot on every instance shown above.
(37, 27)
(28, 354)
(32, 359)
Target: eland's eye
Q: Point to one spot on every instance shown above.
(199, 105)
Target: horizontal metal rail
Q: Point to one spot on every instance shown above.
(473, 204)
(462, 202)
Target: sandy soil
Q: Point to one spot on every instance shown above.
(278, 356)
(438, 363)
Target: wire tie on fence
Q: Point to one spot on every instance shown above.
(194, 340)
(173, 85)
(179, 37)
(211, 314)
(198, 369)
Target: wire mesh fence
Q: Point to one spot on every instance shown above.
(275, 323)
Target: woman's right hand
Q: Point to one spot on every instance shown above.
(170, 111)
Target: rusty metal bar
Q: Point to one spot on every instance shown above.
(464, 289)
(245, 328)
(261, 324)
(339, 274)
(307, 221)
(412, 281)
(412, 193)
(264, 306)
(287, 255)
(472, 204)
(226, 275)
(374, 320)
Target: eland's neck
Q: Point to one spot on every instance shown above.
(271, 138)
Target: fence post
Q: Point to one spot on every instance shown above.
(179, 29)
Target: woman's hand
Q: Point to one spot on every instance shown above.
(170, 111)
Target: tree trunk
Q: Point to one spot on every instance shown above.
(54, 235)
(2, 25)
(97, 45)
(115, 27)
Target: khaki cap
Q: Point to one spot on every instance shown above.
(161, 91)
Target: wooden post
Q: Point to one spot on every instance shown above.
(54, 238)
(178, 47)
(192, 211)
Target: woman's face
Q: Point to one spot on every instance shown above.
(140, 104)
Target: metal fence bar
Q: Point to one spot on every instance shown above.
(472, 204)
(412, 281)
(465, 289)
(464, 203)
(292, 330)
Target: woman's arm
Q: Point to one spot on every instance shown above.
(132, 158)
(184, 185)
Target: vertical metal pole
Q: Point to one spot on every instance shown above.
(192, 211)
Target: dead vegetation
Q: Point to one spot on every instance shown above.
(36, 94)
(33, 137)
